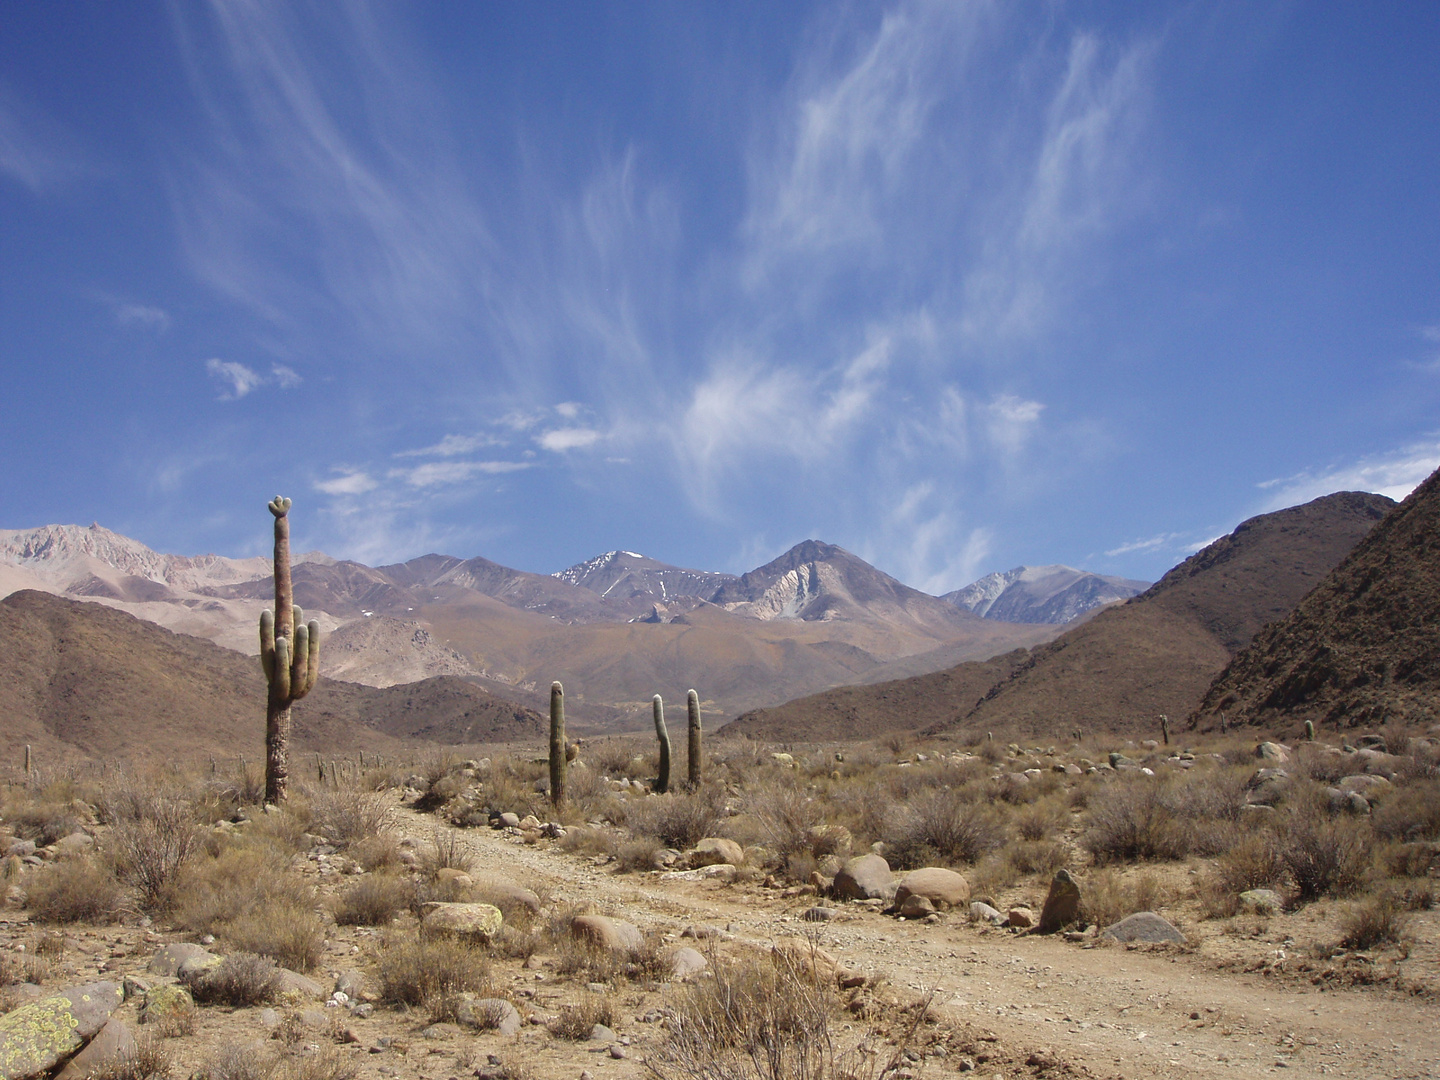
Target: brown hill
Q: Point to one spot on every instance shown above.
(938, 699)
(1362, 649)
(1157, 653)
(81, 678)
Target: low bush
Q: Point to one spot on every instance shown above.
(1380, 920)
(248, 895)
(373, 900)
(75, 890)
(677, 820)
(240, 980)
(1331, 858)
(448, 851)
(293, 936)
(43, 822)
(1130, 821)
(152, 841)
(347, 817)
(1412, 813)
(575, 1022)
(147, 1060)
(943, 826)
(414, 969)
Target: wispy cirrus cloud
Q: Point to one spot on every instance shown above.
(240, 379)
(1395, 474)
(143, 317)
(35, 150)
(436, 473)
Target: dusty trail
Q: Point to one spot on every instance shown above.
(1115, 1011)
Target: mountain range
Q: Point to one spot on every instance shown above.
(1042, 594)
(1120, 670)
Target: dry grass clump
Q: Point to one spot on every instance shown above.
(240, 980)
(677, 820)
(942, 826)
(149, 1060)
(575, 1022)
(20, 968)
(638, 856)
(1328, 858)
(249, 896)
(348, 817)
(1107, 896)
(374, 900)
(1412, 813)
(75, 890)
(447, 851)
(1130, 821)
(414, 969)
(153, 837)
(238, 1061)
(378, 852)
(1379, 920)
(43, 821)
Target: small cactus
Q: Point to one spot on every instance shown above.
(694, 762)
(1309, 731)
(662, 781)
(557, 744)
(290, 657)
(1165, 728)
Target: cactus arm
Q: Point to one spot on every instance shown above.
(662, 782)
(693, 749)
(299, 653)
(312, 660)
(267, 644)
(284, 592)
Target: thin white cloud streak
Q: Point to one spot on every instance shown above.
(143, 316)
(354, 482)
(437, 473)
(241, 379)
(452, 446)
(561, 439)
(925, 543)
(1394, 474)
(34, 150)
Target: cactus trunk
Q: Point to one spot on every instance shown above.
(557, 744)
(662, 781)
(1309, 731)
(289, 656)
(1165, 729)
(693, 762)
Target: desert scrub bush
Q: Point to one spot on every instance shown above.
(42, 821)
(1130, 821)
(677, 820)
(784, 816)
(586, 840)
(249, 896)
(647, 963)
(18, 968)
(1412, 813)
(378, 852)
(238, 1061)
(1107, 896)
(321, 1063)
(1379, 920)
(148, 1059)
(575, 1022)
(1329, 858)
(240, 980)
(75, 890)
(943, 826)
(348, 817)
(373, 900)
(447, 850)
(413, 969)
(638, 856)
(152, 841)
(1037, 857)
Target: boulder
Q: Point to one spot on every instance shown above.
(1062, 904)
(940, 886)
(1365, 784)
(1144, 926)
(1262, 902)
(165, 1001)
(510, 820)
(831, 840)
(351, 983)
(1272, 753)
(714, 850)
(865, 878)
(468, 920)
(807, 959)
(818, 914)
(982, 912)
(1022, 918)
(454, 878)
(36, 1037)
(1267, 787)
(169, 959)
(603, 932)
(507, 896)
(686, 961)
(488, 1014)
(77, 843)
(112, 1045)
(916, 906)
(293, 987)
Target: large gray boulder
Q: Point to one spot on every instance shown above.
(942, 887)
(865, 878)
(171, 958)
(112, 1045)
(715, 850)
(1144, 926)
(488, 1014)
(468, 920)
(36, 1037)
(603, 932)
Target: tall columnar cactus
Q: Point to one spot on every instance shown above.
(290, 655)
(693, 760)
(1309, 731)
(1165, 728)
(662, 781)
(557, 744)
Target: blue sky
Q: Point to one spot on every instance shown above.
(957, 285)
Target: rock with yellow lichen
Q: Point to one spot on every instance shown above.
(36, 1037)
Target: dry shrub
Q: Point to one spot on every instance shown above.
(18, 968)
(583, 840)
(238, 1061)
(677, 820)
(75, 890)
(240, 980)
(638, 856)
(378, 852)
(1412, 813)
(575, 1022)
(784, 816)
(1380, 920)
(943, 826)
(1107, 897)
(149, 1060)
(373, 900)
(293, 936)
(1038, 857)
(42, 821)
(1035, 821)
(414, 969)
(153, 838)
(1130, 821)
(347, 817)
(1412, 860)
(251, 898)
(447, 851)
(759, 1019)
(325, 1063)
(1331, 858)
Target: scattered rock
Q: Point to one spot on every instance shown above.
(292, 986)
(714, 850)
(1262, 901)
(865, 878)
(602, 1033)
(942, 887)
(166, 1001)
(505, 894)
(982, 912)
(456, 879)
(169, 960)
(1272, 752)
(1021, 918)
(510, 820)
(807, 958)
(829, 840)
(488, 1014)
(1144, 926)
(36, 1037)
(685, 962)
(77, 843)
(818, 914)
(108, 1048)
(1062, 903)
(916, 906)
(603, 932)
(351, 983)
(468, 920)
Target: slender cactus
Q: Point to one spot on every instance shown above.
(662, 782)
(557, 744)
(1309, 731)
(1165, 728)
(290, 657)
(693, 760)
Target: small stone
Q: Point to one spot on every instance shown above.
(1020, 917)
(818, 914)
(601, 1033)
(617, 1052)
(1144, 926)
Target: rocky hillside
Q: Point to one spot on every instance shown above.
(81, 678)
(1362, 649)
(1042, 594)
